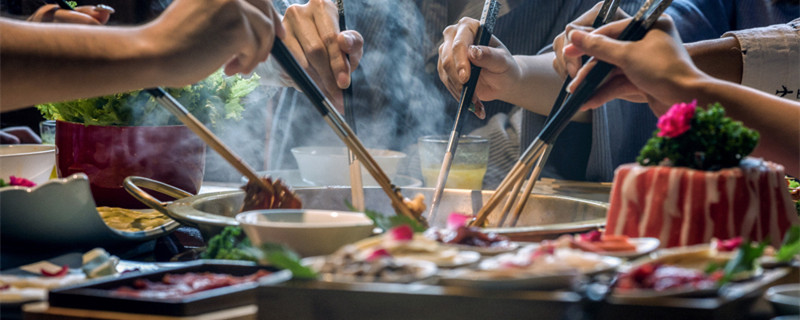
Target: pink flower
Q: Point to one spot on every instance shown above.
(457, 220)
(401, 233)
(377, 254)
(15, 181)
(677, 120)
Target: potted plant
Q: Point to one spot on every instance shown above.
(125, 134)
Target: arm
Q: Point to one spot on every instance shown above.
(661, 70)
(191, 39)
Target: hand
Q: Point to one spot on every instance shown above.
(500, 69)
(196, 37)
(313, 36)
(91, 15)
(656, 69)
(570, 65)
(17, 135)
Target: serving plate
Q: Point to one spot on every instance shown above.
(425, 270)
(509, 279)
(643, 246)
(99, 295)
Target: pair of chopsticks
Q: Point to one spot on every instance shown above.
(488, 19)
(356, 183)
(634, 31)
(605, 15)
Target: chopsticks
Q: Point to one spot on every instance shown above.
(482, 38)
(356, 183)
(334, 119)
(634, 31)
(179, 111)
(604, 15)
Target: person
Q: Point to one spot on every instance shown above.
(603, 138)
(88, 15)
(187, 42)
(660, 69)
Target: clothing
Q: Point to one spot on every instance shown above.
(771, 58)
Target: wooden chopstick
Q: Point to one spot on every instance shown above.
(335, 120)
(179, 111)
(604, 15)
(635, 30)
(491, 8)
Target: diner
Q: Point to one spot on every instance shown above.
(453, 159)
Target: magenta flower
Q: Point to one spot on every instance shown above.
(378, 253)
(457, 220)
(677, 120)
(16, 181)
(401, 233)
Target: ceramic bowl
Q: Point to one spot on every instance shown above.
(327, 166)
(34, 162)
(785, 298)
(61, 213)
(308, 232)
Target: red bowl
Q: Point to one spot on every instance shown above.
(109, 154)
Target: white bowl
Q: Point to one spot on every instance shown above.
(34, 162)
(327, 166)
(785, 298)
(308, 232)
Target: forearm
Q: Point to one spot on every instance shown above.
(776, 119)
(720, 58)
(539, 86)
(49, 62)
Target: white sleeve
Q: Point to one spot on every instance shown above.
(771, 58)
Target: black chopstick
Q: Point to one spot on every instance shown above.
(347, 93)
(64, 5)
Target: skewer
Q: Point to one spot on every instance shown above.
(356, 183)
(634, 31)
(488, 18)
(179, 111)
(337, 123)
(604, 15)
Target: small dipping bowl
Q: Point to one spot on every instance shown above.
(309, 232)
(785, 298)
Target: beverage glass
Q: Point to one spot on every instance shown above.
(469, 162)
(47, 131)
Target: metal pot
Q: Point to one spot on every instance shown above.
(544, 216)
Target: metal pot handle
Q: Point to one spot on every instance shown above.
(132, 184)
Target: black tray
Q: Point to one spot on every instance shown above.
(97, 295)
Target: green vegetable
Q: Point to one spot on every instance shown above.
(3, 183)
(231, 244)
(72, 4)
(790, 245)
(387, 222)
(713, 142)
(744, 263)
(211, 100)
(794, 184)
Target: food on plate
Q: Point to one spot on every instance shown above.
(660, 277)
(468, 236)
(416, 205)
(351, 264)
(692, 182)
(174, 286)
(595, 241)
(402, 242)
(794, 192)
(132, 220)
(546, 259)
(278, 196)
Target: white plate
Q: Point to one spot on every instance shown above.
(293, 178)
(425, 270)
(508, 279)
(486, 251)
(462, 258)
(643, 247)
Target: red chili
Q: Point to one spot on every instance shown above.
(60, 273)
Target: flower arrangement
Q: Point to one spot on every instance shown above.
(17, 181)
(688, 136)
(211, 100)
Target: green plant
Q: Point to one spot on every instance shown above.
(211, 100)
(707, 139)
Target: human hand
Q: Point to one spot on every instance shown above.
(91, 15)
(656, 69)
(17, 135)
(499, 69)
(193, 38)
(570, 65)
(313, 36)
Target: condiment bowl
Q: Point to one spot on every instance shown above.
(327, 166)
(34, 162)
(309, 232)
(785, 298)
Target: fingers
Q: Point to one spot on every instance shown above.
(463, 39)
(494, 60)
(617, 87)
(326, 21)
(352, 43)
(261, 31)
(100, 12)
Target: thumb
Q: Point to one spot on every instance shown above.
(599, 46)
(494, 60)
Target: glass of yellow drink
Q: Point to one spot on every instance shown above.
(469, 161)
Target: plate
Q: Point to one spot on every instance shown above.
(461, 259)
(486, 251)
(293, 178)
(508, 279)
(643, 247)
(425, 270)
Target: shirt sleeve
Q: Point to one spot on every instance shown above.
(771, 58)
